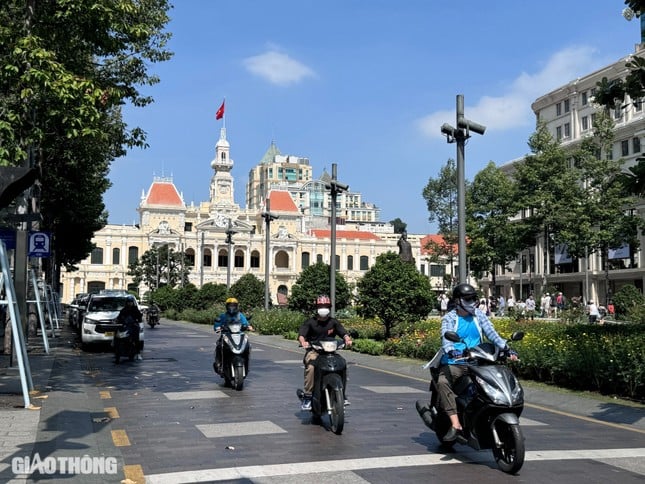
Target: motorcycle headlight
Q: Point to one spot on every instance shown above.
(495, 394)
(328, 346)
(517, 393)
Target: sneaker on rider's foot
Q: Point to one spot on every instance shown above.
(306, 404)
(346, 402)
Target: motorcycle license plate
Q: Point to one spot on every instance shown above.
(110, 334)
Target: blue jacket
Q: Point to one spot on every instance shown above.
(483, 325)
(226, 318)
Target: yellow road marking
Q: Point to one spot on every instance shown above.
(105, 395)
(111, 412)
(120, 438)
(134, 473)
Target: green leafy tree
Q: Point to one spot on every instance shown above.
(490, 203)
(249, 291)
(399, 225)
(602, 221)
(627, 299)
(395, 292)
(440, 195)
(66, 69)
(314, 281)
(160, 266)
(211, 294)
(547, 190)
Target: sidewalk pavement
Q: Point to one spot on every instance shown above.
(69, 420)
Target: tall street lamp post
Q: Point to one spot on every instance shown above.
(229, 240)
(336, 187)
(459, 135)
(268, 217)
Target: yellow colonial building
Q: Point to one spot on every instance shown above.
(299, 236)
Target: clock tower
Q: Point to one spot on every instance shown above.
(221, 188)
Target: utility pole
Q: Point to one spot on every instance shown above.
(268, 217)
(336, 188)
(459, 135)
(229, 240)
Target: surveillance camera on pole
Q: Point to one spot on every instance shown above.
(460, 135)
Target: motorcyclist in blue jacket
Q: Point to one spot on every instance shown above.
(231, 315)
(471, 324)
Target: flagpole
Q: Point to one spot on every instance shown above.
(224, 116)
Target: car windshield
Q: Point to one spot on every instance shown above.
(107, 304)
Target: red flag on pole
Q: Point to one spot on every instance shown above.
(220, 112)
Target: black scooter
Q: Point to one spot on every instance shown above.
(125, 345)
(330, 379)
(152, 317)
(490, 400)
(235, 352)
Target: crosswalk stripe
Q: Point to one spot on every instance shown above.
(392, 462)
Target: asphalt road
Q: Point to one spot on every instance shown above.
(173, 421)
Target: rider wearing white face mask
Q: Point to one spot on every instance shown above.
(313, 329)
(471, 324)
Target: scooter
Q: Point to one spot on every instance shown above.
(124, 343)
(490, 400)
(235, 354)
(152, 317)
(330, 379)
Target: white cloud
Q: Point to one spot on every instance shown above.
(513, 108)
(278, 68)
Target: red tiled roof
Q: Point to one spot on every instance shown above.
(163, 193)
(436, 239)
(281, 201)
(344, 234)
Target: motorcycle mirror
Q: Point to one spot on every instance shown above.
(517, 335)
(452, 336)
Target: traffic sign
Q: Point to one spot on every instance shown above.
(39, 244)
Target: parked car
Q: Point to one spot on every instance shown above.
(100, 319)
(75, 311)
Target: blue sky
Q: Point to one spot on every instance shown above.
(365, 84)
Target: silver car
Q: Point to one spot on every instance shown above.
(100, 319)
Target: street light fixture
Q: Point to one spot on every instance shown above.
(460, 135)
(268, 217)
(336, 187)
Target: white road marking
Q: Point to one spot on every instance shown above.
(392, 389)
(261, 427)
(196, 395)
(288, 362)
(385, 462)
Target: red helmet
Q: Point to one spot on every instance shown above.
(323, 300)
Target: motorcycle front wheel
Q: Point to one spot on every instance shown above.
(334, 388)
(238, 378)
(510, 454)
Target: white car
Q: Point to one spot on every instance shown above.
(100, 318)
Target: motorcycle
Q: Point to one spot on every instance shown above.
(152, 317)
(330, 379)
(124, 343)
(490, 400)
(235, 354)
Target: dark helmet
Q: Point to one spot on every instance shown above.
(464, 291)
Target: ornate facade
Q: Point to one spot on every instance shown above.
(300, 236)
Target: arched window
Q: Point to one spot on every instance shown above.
(222, 258)
(116, 256)
(350, 262)
(319, 258)
(239, 259)
(189, 257)
(364, 262)
(133, 255)
(305, 259)
(282, 259)
(96, 256)
(337, 258)
(208, 258)
(255, 259)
